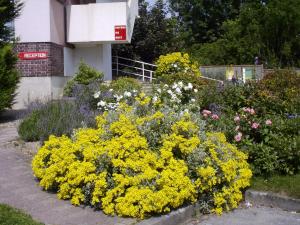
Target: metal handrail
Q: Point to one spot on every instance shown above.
(208, 78)
(139, 75)
(135, 61)
(142, 68)
(134, 67)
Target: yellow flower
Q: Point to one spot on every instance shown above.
(114, 167)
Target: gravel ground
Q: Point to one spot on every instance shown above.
(250, 216)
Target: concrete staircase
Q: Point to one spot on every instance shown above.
(148, 87)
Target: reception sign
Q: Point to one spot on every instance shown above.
(33, 55)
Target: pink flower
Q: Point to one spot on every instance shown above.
(238, 137)
(206, 112)
(215, 117)
(246, 109)
(249, 110)
(205, 115)
(237, 119)
(269, 122)
(255, 125)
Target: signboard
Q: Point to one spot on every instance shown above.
(247, 74)
(120, 33)
(229, 73)
(33, 55)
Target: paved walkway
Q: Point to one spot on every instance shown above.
(250, 216)
(19, 189)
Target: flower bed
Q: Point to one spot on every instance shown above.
(145, 158)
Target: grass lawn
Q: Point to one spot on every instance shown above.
(11, 216)
(285, 185)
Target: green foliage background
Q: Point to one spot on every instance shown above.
(9, 77)
(219, 32)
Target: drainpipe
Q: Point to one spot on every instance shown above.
(65, 4)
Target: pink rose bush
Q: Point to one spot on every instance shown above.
(248, 124)
(208, 114)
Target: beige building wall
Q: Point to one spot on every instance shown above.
(41, 89)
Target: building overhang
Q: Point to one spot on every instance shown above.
(101, 22)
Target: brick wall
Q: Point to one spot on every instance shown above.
(52, 66)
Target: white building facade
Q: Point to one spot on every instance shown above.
(55, 35)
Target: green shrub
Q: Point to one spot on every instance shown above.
(87, 74)
(28, 129)
(58, 118)
(68, 89)
(84, 76)
(278, 92)
(284, 138)
(125, 84)
(9, 77)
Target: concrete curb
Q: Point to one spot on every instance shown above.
(273, 200)
(182, 215)
(178, 216)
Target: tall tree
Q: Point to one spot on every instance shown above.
(9, 10)
(268, 29)
(201, 20)
(154, 33)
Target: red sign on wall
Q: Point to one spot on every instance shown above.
(120, 33)
(33, 55)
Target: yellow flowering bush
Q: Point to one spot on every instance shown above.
(224, 173)
(143, 162)
(176, 62)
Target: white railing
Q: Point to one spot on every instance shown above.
(141, 70)
(138, 69)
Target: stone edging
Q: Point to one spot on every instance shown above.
(272, 200)
(178, 216)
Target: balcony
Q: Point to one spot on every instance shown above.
(102, 22)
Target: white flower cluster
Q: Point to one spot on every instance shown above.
(112, 105)
(97, 94)
(177, 90)
(175, 65)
